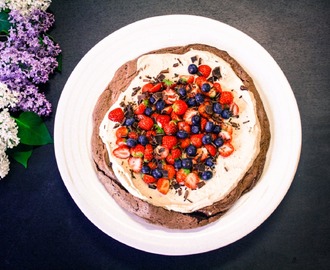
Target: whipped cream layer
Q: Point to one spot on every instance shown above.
(228, 171)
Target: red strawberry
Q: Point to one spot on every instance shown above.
(153, 165)
(170, 96)
(203, 123)
(226, 149)
(175, 117)
(170, 128)
(151, 88)
(217, 87)
(184, 143)
(121, 141)
(122, 132)
(150, 134)
(116, 115)
(133, 135)
(182, 125)
(181, 175)
(211, 149)
(187, 79)
(227, 127)
(135, 164)
(225, 135)
(162, 119)
(137, 151)
(173, 155)
(191, 180)
(202, 109)
(226, 97)
(200, 80)
(121, 152)
(169, 141)
(188, 115)
(163, 185)
(204, 70)
(196, 140)
(167, 110)
(180, 107)
(170, 170)
(234, 109)
(146, 123)
(148, 153)
(149, 179)
(202, 154)
(140, 108)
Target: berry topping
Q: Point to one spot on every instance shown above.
(116, 115)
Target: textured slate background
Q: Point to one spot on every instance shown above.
(42, 228)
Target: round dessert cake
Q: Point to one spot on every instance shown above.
(179, 135)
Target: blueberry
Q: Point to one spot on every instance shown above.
(191, 102)
(225, 114)
(186, 163)
(145, 169)
(129, 121)
(195, 129)
(216, 129)
(207, 175)
(160, 105)
(209, 162)
(148, 111)
(192, 69)
(209, 126)
(199, 98)
(142, 139)
(157, 173)
(217, 108)
(178, 164)
(152, 100)
(196, 119)
(182, 92)
(218, 141)
(191, 150)
(206, 87)
(131, 142)
(207, 139)
(182, 134)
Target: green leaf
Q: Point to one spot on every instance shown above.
(59, 61)
(21, 153)
(32, 130)
(167, 82)
(4, 23)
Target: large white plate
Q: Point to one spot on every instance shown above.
(73, 128)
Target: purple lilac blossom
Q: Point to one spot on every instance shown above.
(27, 59)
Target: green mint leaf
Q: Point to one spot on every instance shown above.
(32, 130)
(21, 154)
(167, 82)
(4, 23)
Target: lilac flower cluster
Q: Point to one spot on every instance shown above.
(27, 58)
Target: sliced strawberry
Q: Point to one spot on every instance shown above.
(189, 114)
(203, 123)
(196, 140)
(202, 154)
(226, 149)
(204, 70)
(182, 125)
(121, 152)
(227, 127)
(122, 132)
(225, 135)
(180, 107)
(162, 119)
(181, 175)
(169, 141)
(170, 96)
(211, 149)
(121, 141)
(167, 110)
(173, 155)
(152, 88)
(170, 128)
(150, 134)
(200, 80)
(161, 152)
(226, 97)
(133, 135)
(149, 179)
(175, 117)
(135, 164)
(116, 115)
(191, 180)
(163, 185)
(170, 171)
(140, 108)
(146, 123)
(203, 109)
(234, 109)
(217, 87)
(148, 153)
(137, 151)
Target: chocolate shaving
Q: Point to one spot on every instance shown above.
(167, 70)
(152, 186)
(186, 194)
(179, 61)
(157, 96)
(243, 87)
(247, 121)
(175, 64)
(208, 109)
(193, 59)
(201, 184)
(216, 72)
(160, 77)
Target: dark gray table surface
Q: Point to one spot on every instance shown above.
(42, 228)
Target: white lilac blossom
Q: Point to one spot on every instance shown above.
(8, 130)
(25, 7)
(4, 163)
(27, 58)
(8, 98)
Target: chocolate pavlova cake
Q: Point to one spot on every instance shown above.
(179, 135)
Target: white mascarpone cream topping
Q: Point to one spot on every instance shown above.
(228, 171)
